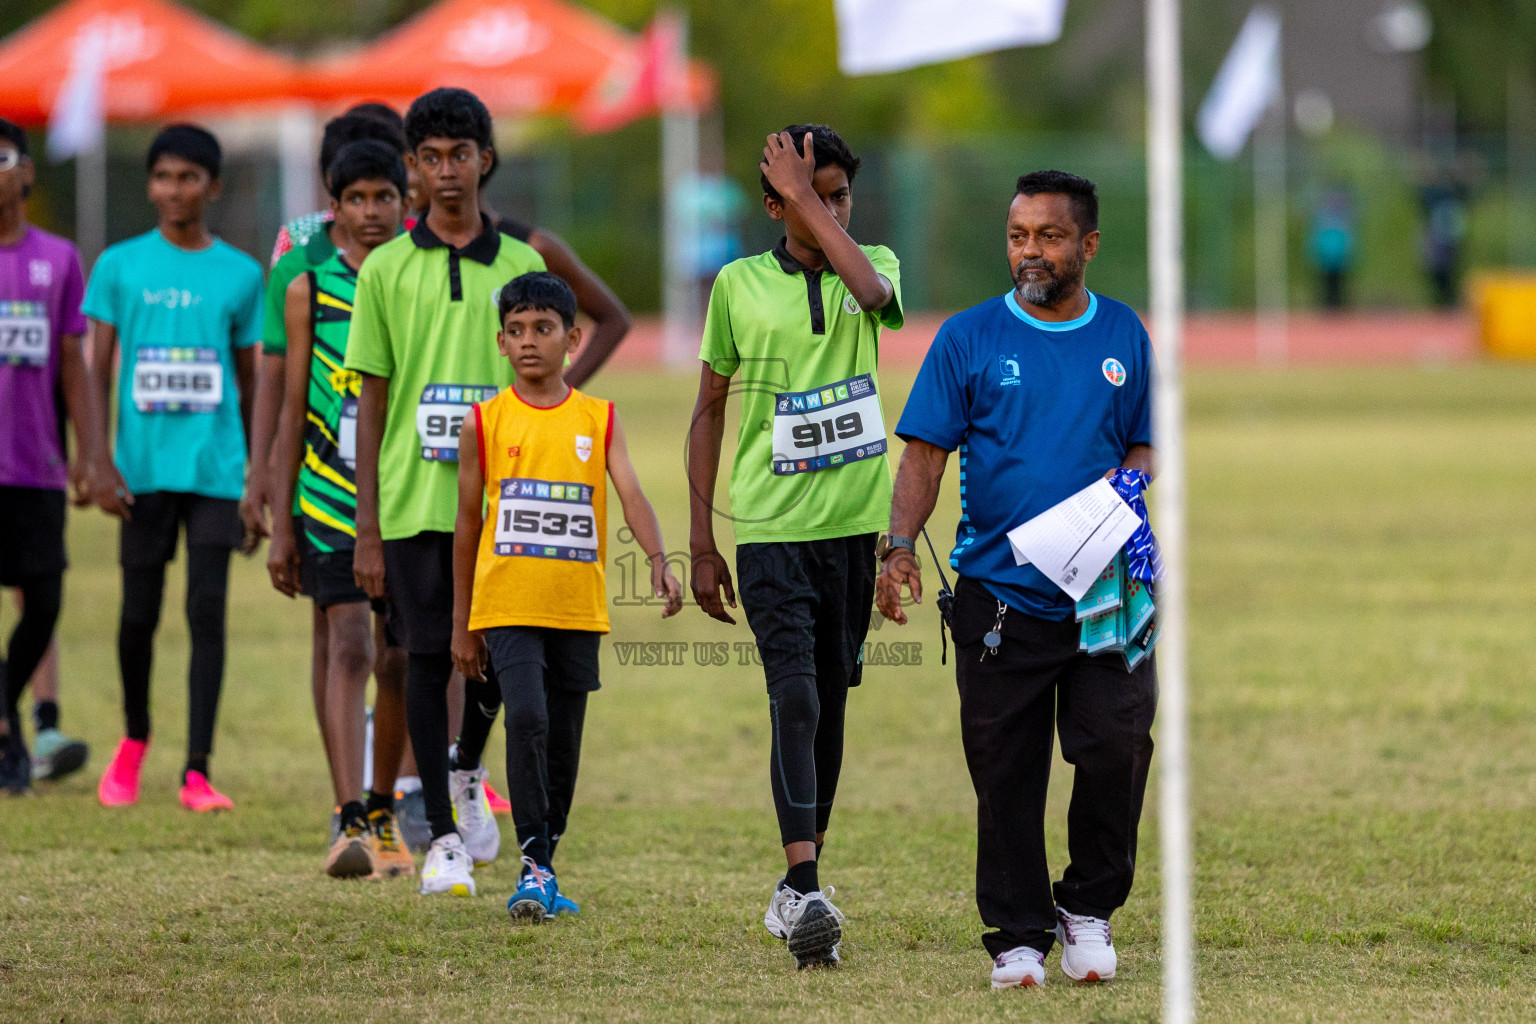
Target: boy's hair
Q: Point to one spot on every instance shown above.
(15, 135)
(448, 113)
(191, 143)
(829, 148)
(537, 290)
(365, 160)
(1081, 192)
(361, 122)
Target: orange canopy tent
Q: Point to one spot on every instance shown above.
(522, 57)
(160, 60)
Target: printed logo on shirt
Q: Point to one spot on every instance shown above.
(583, 447)
(40, 273)
(851, 306)
(171, 298)
(1114, 372)
(1008, 371)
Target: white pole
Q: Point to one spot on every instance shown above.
(1165, 247)
(1270, 267)
(298, 152)
(680, 227)
(91, 201)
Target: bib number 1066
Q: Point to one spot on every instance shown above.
(817, 433)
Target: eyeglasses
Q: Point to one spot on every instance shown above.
(9, 158)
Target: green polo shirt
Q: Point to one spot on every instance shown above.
(811, 450)
(425, 318)
(312, 246)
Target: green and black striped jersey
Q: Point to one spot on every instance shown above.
(327, 477)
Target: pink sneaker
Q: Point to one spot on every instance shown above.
(199, 795)
(119, 785)
(499, 803)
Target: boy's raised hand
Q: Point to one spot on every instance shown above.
(666, 585)
(790, 173)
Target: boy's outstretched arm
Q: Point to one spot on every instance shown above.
(112, 493)
(641, 519)
(792, 175)
(288, 441)
(710, 573)
(468, 648)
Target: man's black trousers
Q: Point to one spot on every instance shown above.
(1009, 703)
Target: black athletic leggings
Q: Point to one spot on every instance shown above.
(143, 591)
(426, 717)
(807, 755)
(40, 597)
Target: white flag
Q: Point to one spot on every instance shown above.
(875, 36)
(1249, 80)
(78, 123)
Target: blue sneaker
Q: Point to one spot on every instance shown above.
(534, 899)
(563, 905)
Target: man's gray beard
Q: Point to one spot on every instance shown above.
(1042, 293)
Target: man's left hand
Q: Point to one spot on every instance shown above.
(900, 570)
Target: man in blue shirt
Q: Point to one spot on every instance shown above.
(184, 308)
(1042, 391)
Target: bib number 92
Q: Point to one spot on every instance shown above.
(440, 418)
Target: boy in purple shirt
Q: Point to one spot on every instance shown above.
(42, 359)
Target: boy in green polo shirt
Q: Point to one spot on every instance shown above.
(810, 488)
(423, 335)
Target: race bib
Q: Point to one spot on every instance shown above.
(545, 519)
(827, 428)
(24, 334)
(440, 417)
(177, 380)
(346, 433)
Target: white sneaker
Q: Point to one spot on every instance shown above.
(809, 923)
(1019, 967)
(448, 868)
(472, 814)
(1087, 953)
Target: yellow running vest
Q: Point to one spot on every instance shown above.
(544, 542)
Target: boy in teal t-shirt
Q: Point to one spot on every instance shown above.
(810, 488)
(185, 310)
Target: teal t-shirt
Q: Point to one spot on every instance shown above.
(180, 316)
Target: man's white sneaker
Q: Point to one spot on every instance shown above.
(472, 815)
(448, 868)
(1087, 952)
(809, 924)
(1019, 967)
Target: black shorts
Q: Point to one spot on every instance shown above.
(568, 656)
(149, 538)
(808, 603)
(418, 576)
(31, 534)
(326, 578)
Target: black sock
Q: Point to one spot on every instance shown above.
(45, 714)
(535, 844)
(802, 878)
(352, 813)
(554, 841)
(461, 761)
(380, 802)
(198, 763)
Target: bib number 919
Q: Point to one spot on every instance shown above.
(817, 433)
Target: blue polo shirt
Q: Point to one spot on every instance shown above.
(1037, 411)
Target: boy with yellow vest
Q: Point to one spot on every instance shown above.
(530, 598)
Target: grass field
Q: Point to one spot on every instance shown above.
(1364, 778)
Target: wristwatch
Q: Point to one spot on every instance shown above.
(887, 544)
